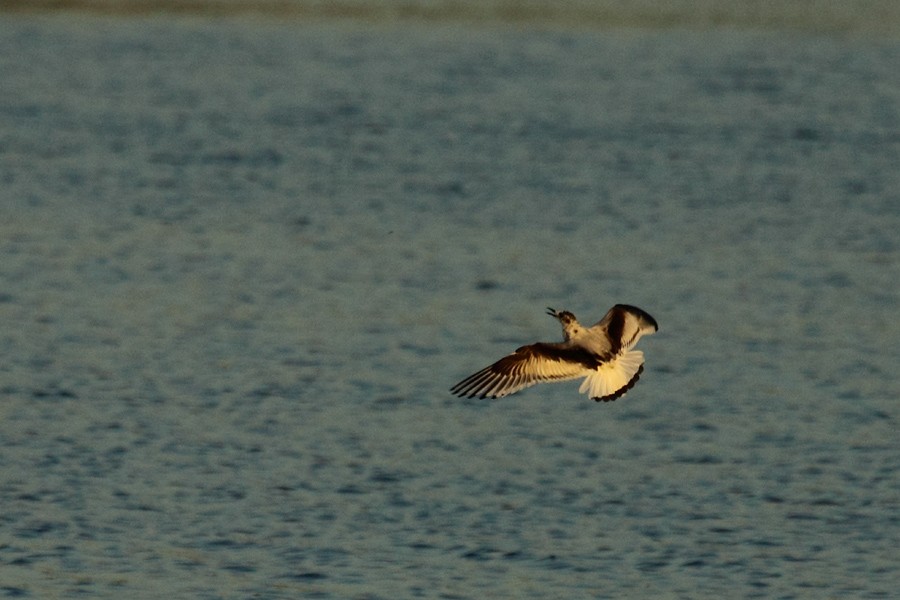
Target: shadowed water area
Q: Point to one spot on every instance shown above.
(242, 262)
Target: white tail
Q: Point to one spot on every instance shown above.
(614, 378)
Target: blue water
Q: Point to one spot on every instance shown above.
(243, 262)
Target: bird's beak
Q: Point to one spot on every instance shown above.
(552, 312)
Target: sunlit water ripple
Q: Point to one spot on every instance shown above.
(242, 263)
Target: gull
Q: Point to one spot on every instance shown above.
(602, 354)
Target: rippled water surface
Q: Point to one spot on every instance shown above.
(243, 262)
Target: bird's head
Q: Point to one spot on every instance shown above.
(570, 326)
(564, 316)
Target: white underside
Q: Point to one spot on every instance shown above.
(612, 376)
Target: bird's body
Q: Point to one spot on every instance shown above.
(602, 354)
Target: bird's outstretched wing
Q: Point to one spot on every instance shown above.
(623, 325)
(525, 367)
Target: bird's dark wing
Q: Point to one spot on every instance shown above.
(623, 325)
(525, 367)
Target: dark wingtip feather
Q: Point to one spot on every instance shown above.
(643, 314)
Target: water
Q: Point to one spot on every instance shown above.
(243, 262)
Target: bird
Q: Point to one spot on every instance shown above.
(602, 354)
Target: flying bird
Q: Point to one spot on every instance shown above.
(602, 354)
